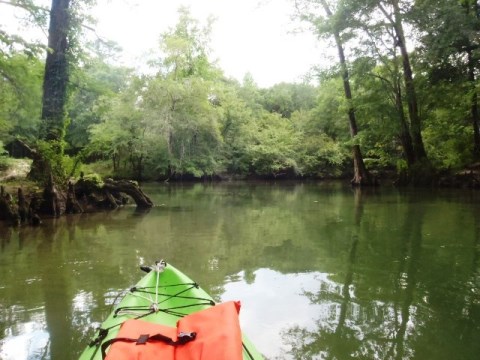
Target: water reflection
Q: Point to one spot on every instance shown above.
(391, 321)
(272, 303)
(323, 271)
(27, 341)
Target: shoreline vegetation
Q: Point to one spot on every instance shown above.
(24, 202)
(407, 114)
(27, 202)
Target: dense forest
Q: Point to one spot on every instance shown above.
(400, 99)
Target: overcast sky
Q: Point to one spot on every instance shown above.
(249, 36)
(254, 36)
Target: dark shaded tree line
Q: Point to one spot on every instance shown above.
(402, 100)
(378, 35)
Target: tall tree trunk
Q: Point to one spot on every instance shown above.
(56, 72)
(415, 121)
(54, 94)
(405, 137)
(361, 175)
(396, 89)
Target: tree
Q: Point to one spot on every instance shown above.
(124, 134)
(395, 17)
(168, 124)
(92, 84)
(34, 15)
(379, 68)
(272, 152)
(284, 99)
(235, 123)
(56, 72)
(389, 17)
(317, 154)
(20, 102)
(21, 74)
(450, 47)
(333, 25)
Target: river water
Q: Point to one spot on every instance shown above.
(322, 271)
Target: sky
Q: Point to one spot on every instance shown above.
(248, 36)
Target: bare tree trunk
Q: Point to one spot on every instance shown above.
(415, 121)
(474, 112)
(360, 172)
(405, 137)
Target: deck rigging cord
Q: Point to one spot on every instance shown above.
(154, 307)
(155, 297)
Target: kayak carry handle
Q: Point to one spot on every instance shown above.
(159, 266)
(145, 268)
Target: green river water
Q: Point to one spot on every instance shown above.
(322, 271)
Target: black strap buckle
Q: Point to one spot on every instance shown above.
(102, 334)
(142, 339)
(185, 337)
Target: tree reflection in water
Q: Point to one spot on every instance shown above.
(357, 328)
(377, 275)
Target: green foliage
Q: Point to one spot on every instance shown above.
(94, 179)
(121, 135)
(448, 142)
(21, 89)
(272, 152)
(166, 124)
(328, 115)
(284, 99)
(3, 157)
(185, 119)
(185, 49)
(95, 82)
(32, 15)
(54, 162)
(101, 167)
(235, 123)
(318, 154)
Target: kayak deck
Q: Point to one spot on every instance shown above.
(163, 296)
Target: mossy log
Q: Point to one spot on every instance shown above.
(130, 188)
(87, 195)
(108, 194)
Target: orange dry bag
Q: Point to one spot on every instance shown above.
(133, 342)
(211, 334)
(218, 334)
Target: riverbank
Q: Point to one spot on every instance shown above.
(25, 202)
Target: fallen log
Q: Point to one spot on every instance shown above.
(130, 188)
(86, 195)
